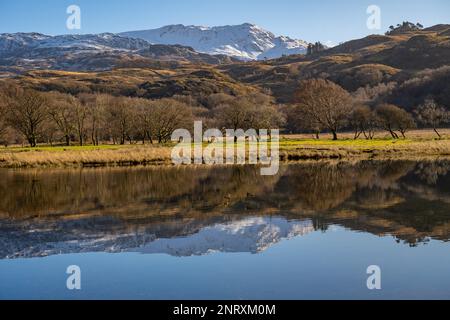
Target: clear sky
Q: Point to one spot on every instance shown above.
(324, 20)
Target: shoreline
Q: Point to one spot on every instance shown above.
(291, 150)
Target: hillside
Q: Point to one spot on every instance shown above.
(185, 79)
(366, 62)
(401, 67)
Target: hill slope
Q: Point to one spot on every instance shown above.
(402, 68)
(152, 83)
(368, 62)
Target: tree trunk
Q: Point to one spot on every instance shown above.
(32, 141)
(335, 137)
(437, 132)
(67, 140)
(393, 134)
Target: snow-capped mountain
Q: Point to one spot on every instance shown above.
(248, 235)
(98, 52)
(11, 42)
(253, 235)
(89, 52)
(245, 42)
(29, 44)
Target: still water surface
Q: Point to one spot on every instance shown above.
(226, 232)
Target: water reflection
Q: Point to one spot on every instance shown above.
(189, 211)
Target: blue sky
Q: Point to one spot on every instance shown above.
(324, 20)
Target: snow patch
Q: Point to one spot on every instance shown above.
(245, 42)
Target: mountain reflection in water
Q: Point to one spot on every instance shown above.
(186, 211)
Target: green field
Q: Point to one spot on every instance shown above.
(292, 148)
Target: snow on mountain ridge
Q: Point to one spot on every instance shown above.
(246, 41)
(89, 52)
(248, 235)
(253, 235)
(10, 42)
(105, 41)
(97, 52)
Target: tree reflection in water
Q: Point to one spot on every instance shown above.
(408, 200)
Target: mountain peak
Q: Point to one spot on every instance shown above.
(246, 41)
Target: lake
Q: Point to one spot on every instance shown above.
(310, 232)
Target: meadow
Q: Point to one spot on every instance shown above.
(419, 144)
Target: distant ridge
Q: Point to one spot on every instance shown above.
(90, 52)
(245, 42)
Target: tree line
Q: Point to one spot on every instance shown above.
(322, 105)
(36, 117)
(33, 117)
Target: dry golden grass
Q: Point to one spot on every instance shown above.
(420, 144)
(123, 156)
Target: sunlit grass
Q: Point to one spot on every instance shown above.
(284, 143)
(63, 148)
(292, 148)
(349, 143)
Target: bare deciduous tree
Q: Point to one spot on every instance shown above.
(96, 105)
(26, 112)
(405, 122)
(364, 121)
(234, 113)
(119, 119)
(80, 111)
(297, 121)
(430, 114)
(268, 117)
(392, 118)
(3, 125)
(255, 111)
(324, 102)
(145, 120)
(167, 115)
(61, 112)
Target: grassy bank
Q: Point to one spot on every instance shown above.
(419, 144)
(375, 149)
(422, 144)
(86, 156)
